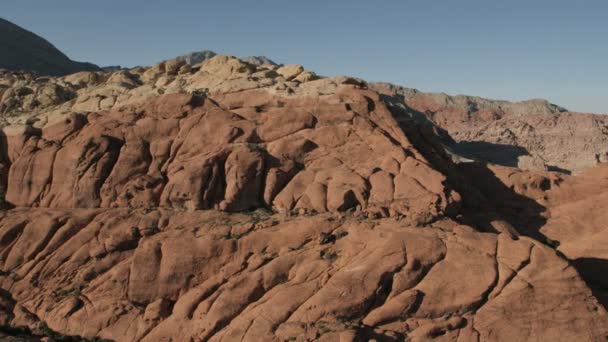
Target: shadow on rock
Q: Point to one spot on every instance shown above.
(485, 198)
(500, 154)
(497, 202)
(487, 202)
(4, 168)
(594, 272)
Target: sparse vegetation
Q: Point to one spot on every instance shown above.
(43, 330)
(258, 215)
(231, 236)
(340, 234)
(256, 147)
(201, 92)
(328, 256)
(34, 281)
(323, 328)
(327, 238)
(2, 202)
(135, 233)
(15, 331)
(72, 291)
(552, 243)
(152, 230)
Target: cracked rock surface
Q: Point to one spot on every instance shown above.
(162, 275)
(233, 200)
(509, 133)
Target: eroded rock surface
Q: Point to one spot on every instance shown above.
(234, 200)
(502, 132)
(163, 275)
(324, 146)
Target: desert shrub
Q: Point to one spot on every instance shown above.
(231, 236)
(72, 291)
(340, 234)
(328, 256)
(552, 243)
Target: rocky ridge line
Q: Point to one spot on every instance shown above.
(25, 51)
(532, 135)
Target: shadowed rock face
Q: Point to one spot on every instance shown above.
(509, 133)
(237, 201)
(572, 216)
(23, 50)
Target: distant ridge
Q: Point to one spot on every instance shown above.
(196, 57)
(24, 50)
(259, 60)
(201, 56)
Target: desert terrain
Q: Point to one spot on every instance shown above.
(212, 198)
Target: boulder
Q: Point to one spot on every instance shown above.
(290, 71)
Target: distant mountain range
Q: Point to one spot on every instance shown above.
(24, 50)
(201, 56)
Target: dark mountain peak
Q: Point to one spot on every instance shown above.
(24, 50)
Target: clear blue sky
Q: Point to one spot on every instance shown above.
(515, 49)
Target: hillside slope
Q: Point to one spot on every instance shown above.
(24, 50)
(532, 134)
(234, 201)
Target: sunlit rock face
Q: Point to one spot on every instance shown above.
(235, 200)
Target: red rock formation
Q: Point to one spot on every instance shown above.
(129, 275)
(508, 133)
(188, 152)
(250, 203)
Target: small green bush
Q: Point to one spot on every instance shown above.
(328, 256)
(552, 243)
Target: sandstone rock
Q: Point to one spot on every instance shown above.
(226, 67)
(124, 78)
(201, 282)
(244, 174)
(216, 158)
(501, 131)
(83, 79)
(290, 71)
(306, 76)
(173, 67)
(145, 200)
(153, 73)
(531, 163)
